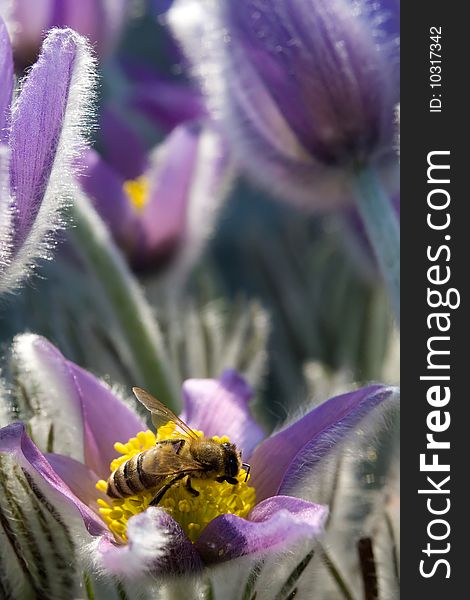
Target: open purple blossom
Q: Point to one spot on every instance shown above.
(98, 20)
(88, 419)
(305, 89)
(40, 137)
(161, 206)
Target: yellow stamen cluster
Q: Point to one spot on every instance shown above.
(137, 191)
(191, 512)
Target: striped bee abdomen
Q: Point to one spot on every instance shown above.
(133, 476)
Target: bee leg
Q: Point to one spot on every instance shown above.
(162, 491)
(230, 480)
(190, 488)
(179, 443)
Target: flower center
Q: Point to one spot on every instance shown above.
(193, 513)
(137, 191)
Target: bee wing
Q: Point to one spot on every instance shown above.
(160, 413)
(172, 464)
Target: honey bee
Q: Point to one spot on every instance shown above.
(175, 459)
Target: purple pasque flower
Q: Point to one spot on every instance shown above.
(165, 102)
(98, 20)
(164, 206)
(88, 418)
(41, 133)
(305, 89)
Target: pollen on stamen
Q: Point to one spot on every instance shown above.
(137, 191)
(191, 512)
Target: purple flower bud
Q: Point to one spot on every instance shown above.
(305, 88)
(41, 134)
(98, 20)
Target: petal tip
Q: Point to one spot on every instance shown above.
(235, 383)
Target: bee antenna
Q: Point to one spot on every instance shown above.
(247, 468)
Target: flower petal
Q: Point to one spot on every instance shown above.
(51, 403)
(279, 461)
(88, 418)
(30, 26)
(171, 176)
(274, 524)
(106, 420)
(37, 121)
(311, 71)
(104, 187)
(390, 17)
(41, 535)
(98, 20)
(122, 147)
(166, 103)
(274, 73)
(6, 80)
(86, 17)
(156, 545)
(78, 477)
(14, 440)
(211, 179)
(6, 212)
(220, 407)
(47, 131)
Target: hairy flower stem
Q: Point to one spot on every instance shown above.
(382, 229)
(130, 306)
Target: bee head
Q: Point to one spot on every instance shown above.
(231, 460)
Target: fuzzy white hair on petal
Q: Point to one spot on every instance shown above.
(45, 529)
(5, 404)
(6, 211)
(266, 575)
(6, 13)
(61, 186)
(147, 544)
(306, 483)
(356, 495)
(49, 402)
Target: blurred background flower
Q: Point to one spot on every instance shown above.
(305, 90)
(322, 302)
(168, 206)
(100, 21)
